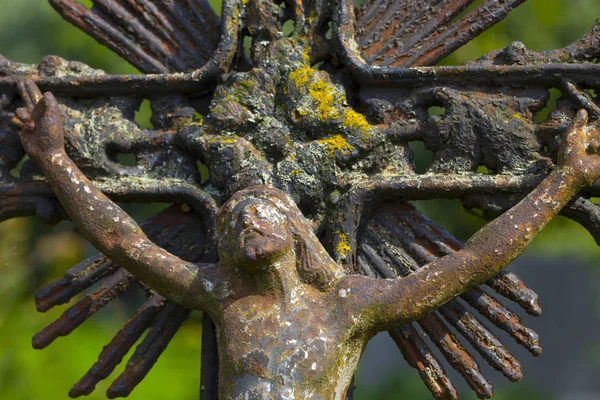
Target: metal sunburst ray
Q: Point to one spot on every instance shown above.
(396, 241)
(420, 33)
(158, 41)
(155, 37)
(158, 317)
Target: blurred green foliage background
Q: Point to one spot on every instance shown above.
(32, 254)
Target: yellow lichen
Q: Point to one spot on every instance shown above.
(321, 91)
(247, 83)
(197, 119)
(301, 76)
(517, 116)
(223, 140)
(306, 56)
(343, 246)
(295, 172)
(354, 120)
(336, 142)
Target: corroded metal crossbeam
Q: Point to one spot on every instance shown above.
(200, 82)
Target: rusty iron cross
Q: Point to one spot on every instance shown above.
(301, 243)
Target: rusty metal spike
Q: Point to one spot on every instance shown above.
(405, 18)
(419, 356)
(374, 18)
(482, 302)
(369, 12)
(439, 45)
(423, 227)
(120, 16)
(165, 325)
(85, 267)
(415, 254)
(422, 247)
(149, 15)
(456, 355)
(179, 14)
(504, 319)
(406, 36)
(485, 342)
(114, 352)
(196, 51)
(83, 309)
(100, 29)
(482, 340)
(505, 283)
(205, 18)
(374, 253)
(512, 287)
(166, 229)
(74, 281)
(98, 267)
(363, 264)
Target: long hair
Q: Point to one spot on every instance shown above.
(313, 263)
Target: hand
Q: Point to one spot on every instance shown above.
(40, 122)
(579, 149)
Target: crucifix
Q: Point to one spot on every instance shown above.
(301, 244)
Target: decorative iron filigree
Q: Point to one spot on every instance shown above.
(326, 120)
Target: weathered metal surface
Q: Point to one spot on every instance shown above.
(419, 356)
(161, 331)
(407, 34)
(112, 354)
(178, 37)
(175, 230)
(334, 137)
(83, 309)
(290, 322)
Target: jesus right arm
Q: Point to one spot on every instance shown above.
(383, 303)
(103, 223)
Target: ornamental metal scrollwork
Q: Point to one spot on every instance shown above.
(302, 242)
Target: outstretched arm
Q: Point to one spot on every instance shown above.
(102, 222)
(387, 302)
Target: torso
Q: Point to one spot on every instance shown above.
(286, 350)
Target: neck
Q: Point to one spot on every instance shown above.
(279, 279)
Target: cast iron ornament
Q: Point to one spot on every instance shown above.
(306, 206)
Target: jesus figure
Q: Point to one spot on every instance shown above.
(290, 323)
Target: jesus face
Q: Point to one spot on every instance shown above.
(261, 232)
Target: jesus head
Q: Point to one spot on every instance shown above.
(259, 225)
